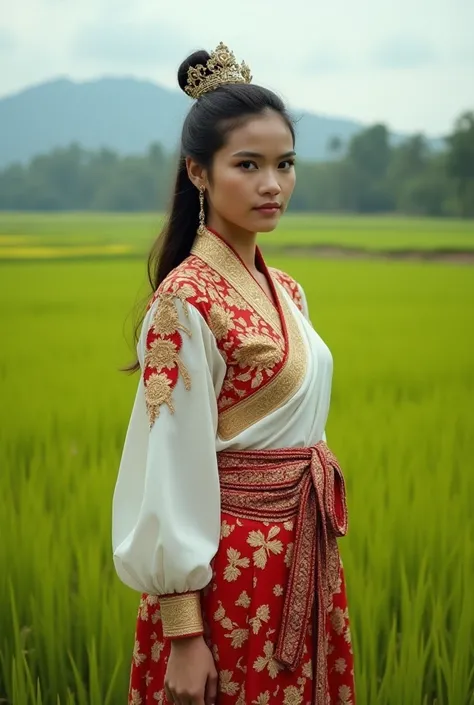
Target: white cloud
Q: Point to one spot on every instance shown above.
(322, 61)
(7, 41)
(130, 44)
(409, 64)
(405, 53)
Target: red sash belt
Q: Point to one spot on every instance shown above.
(306, 484)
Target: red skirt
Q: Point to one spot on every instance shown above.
(242, 610)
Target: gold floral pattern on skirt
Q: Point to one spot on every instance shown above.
(242, 609)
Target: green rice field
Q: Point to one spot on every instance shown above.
(401, 423)
(32, 236)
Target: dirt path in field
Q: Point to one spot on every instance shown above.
(462, 257)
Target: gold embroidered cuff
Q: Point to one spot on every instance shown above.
(181, 615)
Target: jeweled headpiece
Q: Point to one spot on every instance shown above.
(221, 69)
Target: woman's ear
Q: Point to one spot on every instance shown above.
(196, 172)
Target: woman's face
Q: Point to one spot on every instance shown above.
(253, 177)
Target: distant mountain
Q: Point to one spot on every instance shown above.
(126, 115)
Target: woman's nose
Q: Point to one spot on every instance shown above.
(270, 185)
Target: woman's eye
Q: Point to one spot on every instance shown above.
(287, 164)
(248, 166)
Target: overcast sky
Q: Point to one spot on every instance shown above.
(409, 63)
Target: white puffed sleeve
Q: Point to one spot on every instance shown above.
(304, 302)
(304, 305)
(166, 504)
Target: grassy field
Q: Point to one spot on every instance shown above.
(33, 236)
(401, 422)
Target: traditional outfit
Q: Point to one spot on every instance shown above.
(228, 501)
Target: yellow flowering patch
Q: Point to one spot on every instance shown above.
(14, 239)
(52, 252)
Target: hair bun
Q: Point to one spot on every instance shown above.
(198, 57)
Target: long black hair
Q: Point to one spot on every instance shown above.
(206, 127)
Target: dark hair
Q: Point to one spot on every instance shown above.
(211, 118)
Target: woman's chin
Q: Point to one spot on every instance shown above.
(266, 224)
(267, 227)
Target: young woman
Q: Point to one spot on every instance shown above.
(228, 501)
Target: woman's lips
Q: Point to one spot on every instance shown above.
(269, 208)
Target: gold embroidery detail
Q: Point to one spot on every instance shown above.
(135, 698)
(266, 487)
(220, 321)
(262, 615)
(243, 600)
(143, 610)
(239, 637)
(258, 352)
(262, 699)
(289, 554)
(226, 685)
(158, 392)
(138, 657)
(338, 620)
(227, 623)
(289, 285)
(292, 696)
(156, 648)
(181, 614)
(348, 636)
(163, 354)
(264, 546)
(257, 347)
(166, 319)
(340, 665)
(147, 601)
(226, 529)
(224, 306)
(218, 255)
(267, 661)
(219, 614)
(275, 393)
(232, 570)
(345, 695)
(156, 616)
(241, 700)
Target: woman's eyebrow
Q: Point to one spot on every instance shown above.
(256, 155)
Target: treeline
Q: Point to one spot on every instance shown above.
(367, 175)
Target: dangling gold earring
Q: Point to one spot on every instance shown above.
(202, 215)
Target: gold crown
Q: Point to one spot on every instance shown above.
(220, 69)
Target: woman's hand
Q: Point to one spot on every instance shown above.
(191, 676)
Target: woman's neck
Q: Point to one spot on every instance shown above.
(243, 242)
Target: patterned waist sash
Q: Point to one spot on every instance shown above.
(306, 484)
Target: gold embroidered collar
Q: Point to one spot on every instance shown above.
(265, 399)
(214, 250)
